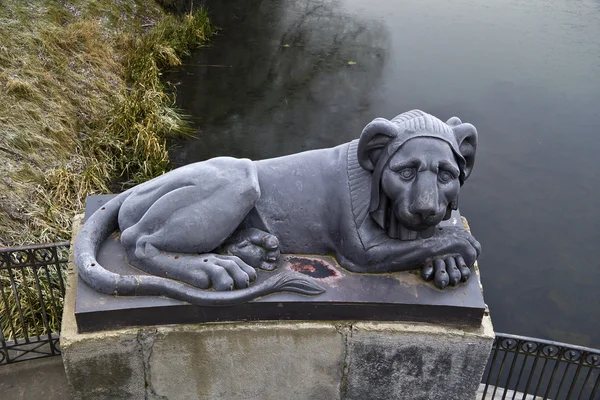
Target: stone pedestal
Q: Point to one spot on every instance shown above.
(262, 360)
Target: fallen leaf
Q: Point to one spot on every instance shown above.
(286, 45)
(351, 62)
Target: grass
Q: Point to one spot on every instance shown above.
(83, 109)
(82, 104)
(37, 312)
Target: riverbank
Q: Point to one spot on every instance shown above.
(83, 109)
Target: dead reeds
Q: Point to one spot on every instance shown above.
(82, 106)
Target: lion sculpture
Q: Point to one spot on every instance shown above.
(374, 203)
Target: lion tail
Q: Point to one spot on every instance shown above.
(283, 282)
(105, 221)
(293, 282)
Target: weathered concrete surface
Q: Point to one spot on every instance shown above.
(416, 361)
(246, 360)
(42, 379)
(274, 360)
(22, 382)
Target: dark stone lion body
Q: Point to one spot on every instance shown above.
(211, 223)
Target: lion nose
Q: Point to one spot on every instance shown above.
(424, 213)
(423, 207)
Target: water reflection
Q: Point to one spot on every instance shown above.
(526, 73)
(278, 68)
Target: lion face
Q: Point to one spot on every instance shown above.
(418, 164)
(421, 179)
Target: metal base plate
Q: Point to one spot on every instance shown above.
(401, 296)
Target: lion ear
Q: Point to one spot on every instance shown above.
(466, 137)
(454, 121)
(373, 139)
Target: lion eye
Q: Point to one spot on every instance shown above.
(407, 173)
(445, 176)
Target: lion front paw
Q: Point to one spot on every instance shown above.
(446, 271)
(255, 247)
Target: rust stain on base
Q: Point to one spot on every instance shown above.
(314, 268)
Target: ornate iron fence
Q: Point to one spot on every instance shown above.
(32, 288)
(521, 367)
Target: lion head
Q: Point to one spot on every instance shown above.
(418, 164)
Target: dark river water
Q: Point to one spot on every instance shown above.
(287, 76)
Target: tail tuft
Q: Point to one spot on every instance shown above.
(295, 282)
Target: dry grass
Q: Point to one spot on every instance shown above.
(82, 105)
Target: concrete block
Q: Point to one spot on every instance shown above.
(105, 368)
(416, 361)
(280, 360)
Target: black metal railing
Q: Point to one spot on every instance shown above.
(32, 288)
(527, 368)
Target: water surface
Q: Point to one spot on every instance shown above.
(287, 76)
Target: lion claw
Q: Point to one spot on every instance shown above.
(447, 271)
